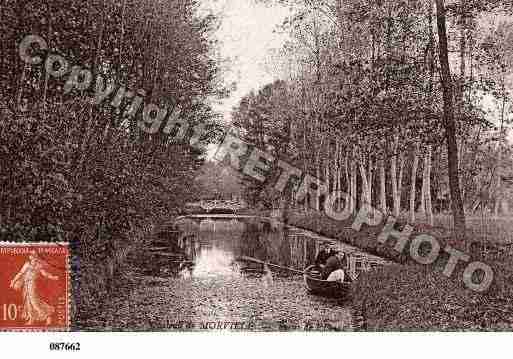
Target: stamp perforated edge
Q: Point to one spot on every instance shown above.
(69, 288)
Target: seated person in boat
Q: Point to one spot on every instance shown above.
(334, 268)
(326, 251)
(337, 276)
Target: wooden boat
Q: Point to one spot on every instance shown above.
(312, 278)
(316, 285)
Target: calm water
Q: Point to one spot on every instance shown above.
(214, 248)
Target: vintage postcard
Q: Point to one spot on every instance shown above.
(256, 166)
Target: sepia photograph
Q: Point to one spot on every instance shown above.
(255, 166)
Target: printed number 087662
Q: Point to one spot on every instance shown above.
(65, 346)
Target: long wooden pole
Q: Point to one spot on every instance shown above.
(246, 258)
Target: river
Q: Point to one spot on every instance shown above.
(207, 286)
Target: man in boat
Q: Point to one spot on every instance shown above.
(334, 268)
(326, 251)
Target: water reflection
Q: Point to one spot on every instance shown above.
(216, 248)
(214, 262)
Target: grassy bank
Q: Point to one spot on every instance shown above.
(421, 298)
(365, 239)
(485, 236)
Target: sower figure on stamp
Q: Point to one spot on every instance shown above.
(34, 308)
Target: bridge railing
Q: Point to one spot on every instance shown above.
(224, 204)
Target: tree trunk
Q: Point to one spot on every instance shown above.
(382, 188)
(498, 189)
(422, 205)
(400, 180)
(338, 175)
(463, 46)
(414, 181)
(365, 184)
(496, 207)
(348, 181)
(353, 196)
(393, 174)
(317, 176)
(505, 207)
(449, 124)
(498, 192)
(461, 151)
(427, 194)
(328, 172)
(288, 192)
(370, 179)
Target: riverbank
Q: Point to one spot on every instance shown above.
(420, 298)
(221, 303)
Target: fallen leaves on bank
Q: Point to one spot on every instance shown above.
(222, 303)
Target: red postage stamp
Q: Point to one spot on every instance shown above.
(34, 286)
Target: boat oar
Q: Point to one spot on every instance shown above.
(246, 258)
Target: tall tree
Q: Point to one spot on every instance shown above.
(449, 122)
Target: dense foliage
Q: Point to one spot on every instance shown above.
(89, 174)
(361, 105)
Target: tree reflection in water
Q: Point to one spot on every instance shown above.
(214, 249)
